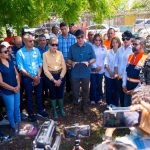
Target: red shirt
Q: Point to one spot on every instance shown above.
(10, 40)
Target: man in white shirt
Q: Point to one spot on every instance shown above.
(121, 61)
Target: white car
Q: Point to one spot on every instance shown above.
(139, 24)
(102, 29)
(144, 33)
(98, 28)
(32, 30)
(147, 23)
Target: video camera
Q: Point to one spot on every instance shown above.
(47, 138)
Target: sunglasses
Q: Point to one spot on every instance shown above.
(5, 52)
(54, 44)
(80, 37)
(135, 44)
(126, 38)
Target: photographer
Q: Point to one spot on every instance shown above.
(139, 136)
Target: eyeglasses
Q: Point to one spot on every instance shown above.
(80, 37)
(135, 44)
(5, 52)
(126, 38)
(54, 44)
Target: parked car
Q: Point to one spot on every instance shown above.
(147, 23)
(144, 33)
(102, 29)
(141, 24)
(98, 28)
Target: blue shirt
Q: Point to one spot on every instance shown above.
(81, 54)
(29, 60)
(64, 44)
(9, 76)
(43, 50)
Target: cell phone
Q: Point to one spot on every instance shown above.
(123, 118)
(81, 131)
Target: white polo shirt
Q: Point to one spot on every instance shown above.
(100, 53)
(110, 61)
(122, 58)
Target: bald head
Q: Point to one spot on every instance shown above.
(18, 41)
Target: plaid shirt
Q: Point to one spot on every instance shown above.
(65, 43)
(136, 139)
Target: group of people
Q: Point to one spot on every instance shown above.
(66, 62)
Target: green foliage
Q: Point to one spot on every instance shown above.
(34, 12)
(139, 5)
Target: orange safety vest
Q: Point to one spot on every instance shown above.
(137, 60)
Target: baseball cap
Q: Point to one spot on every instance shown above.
(79, 33)
(127, 34)
(6, 44)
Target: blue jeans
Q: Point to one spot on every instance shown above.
(96, 93)
(112, 95)
(12, 103)
(27, 83)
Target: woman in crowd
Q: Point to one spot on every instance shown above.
(10, 84)
(55, 69)
(97, 70)
(110, 74)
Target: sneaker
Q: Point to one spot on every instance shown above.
(32, 118)
(79, 100)
(111, 106)
(92, 103)
(5, 138)
(43, 114)
(4, 122)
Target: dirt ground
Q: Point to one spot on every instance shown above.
(93, 118)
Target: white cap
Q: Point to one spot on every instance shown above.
(6, 44)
